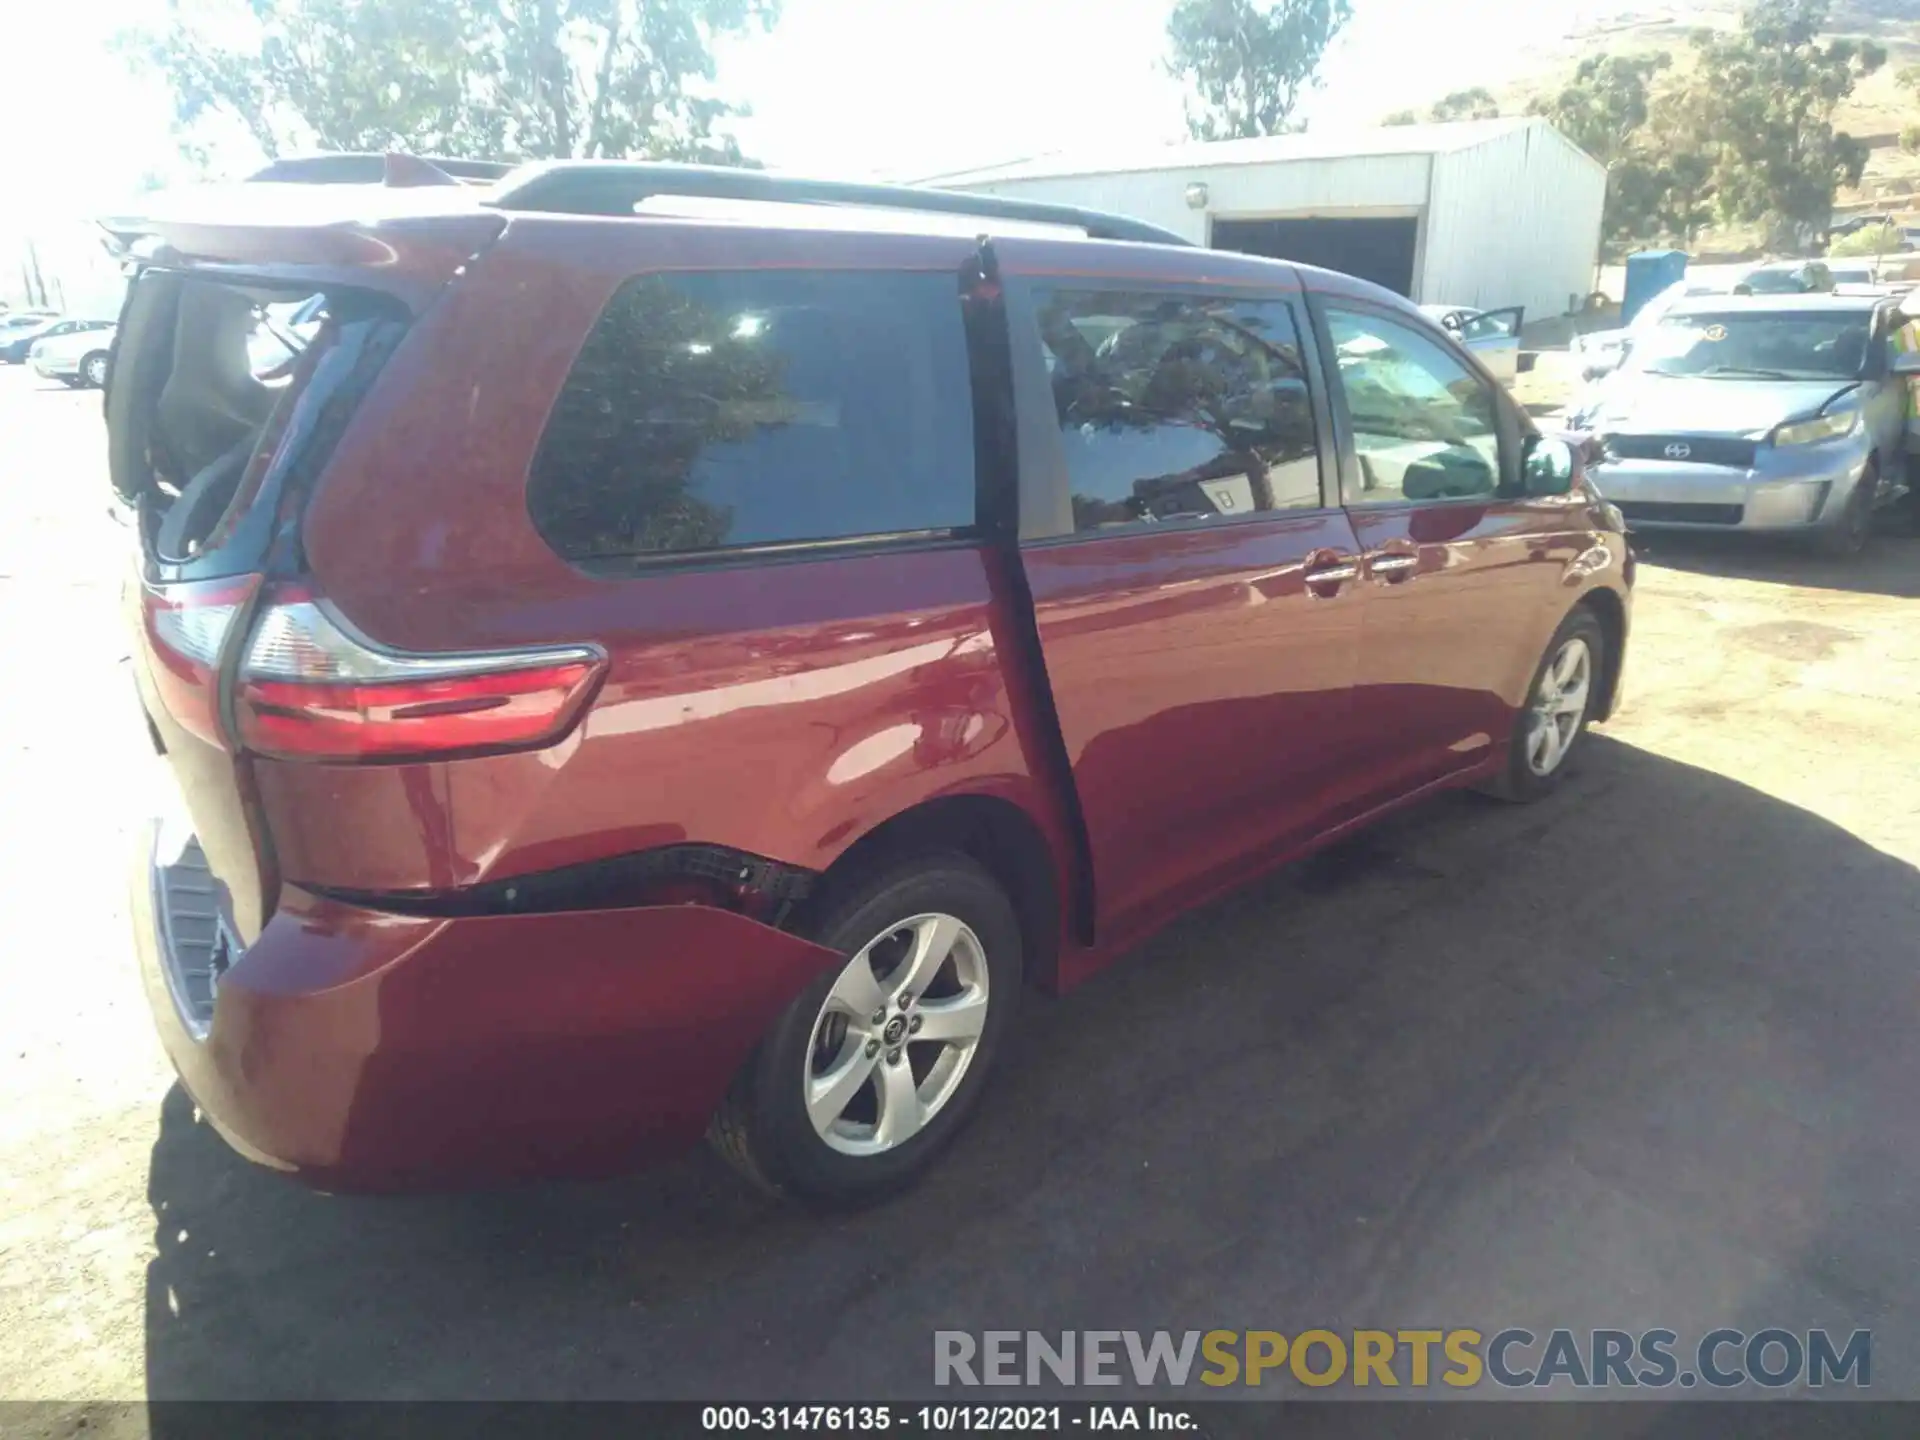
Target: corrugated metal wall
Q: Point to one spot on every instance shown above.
(1513, 221)
(1296, 187)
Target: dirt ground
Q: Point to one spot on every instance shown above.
(1640, 1055)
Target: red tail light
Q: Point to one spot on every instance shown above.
(187, 626)
(310, 689)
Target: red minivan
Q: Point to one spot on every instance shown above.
(651, 652)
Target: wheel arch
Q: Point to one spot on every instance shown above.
(1608, 608)
(996, 833)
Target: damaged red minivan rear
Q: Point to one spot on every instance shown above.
(633, 676)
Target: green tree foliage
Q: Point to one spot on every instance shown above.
(1602, 108)
(1248, 62)
(1770, 91)
(1475, 104)
(1659, 178)
(1659, 195)
(534, 79)
(1745, 134)
(1868, 240)
(1908, 79)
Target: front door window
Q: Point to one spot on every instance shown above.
(1424, 425)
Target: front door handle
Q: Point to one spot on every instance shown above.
(1391, 567)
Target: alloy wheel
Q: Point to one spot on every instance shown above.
(1559, 705)
(97, 371)
(896, 1034)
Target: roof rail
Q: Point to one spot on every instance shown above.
(594, 187)
(370, 169)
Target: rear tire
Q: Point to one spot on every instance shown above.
(1907, 515)
(93, 370)
(1565, 688)
(850, 1096)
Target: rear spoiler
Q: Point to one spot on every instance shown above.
(392, 169)
(297, 233)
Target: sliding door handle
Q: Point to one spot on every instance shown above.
(1392, 566)
(1325, 578)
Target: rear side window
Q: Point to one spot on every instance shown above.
(711, 411)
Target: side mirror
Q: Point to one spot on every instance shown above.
(1548, 467)
(1458, 474)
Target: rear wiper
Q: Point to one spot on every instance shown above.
(288, 338)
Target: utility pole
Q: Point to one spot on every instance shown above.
(36, 284)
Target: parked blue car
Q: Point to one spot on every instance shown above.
(1782, 413)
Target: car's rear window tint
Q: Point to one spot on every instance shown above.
(717, 410)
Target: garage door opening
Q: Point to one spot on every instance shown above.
(1380, 250)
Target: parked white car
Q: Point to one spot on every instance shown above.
(1493, 335)
(76, 355)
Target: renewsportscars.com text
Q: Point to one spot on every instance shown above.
(1461, 1358)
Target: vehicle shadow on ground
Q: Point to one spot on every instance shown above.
(1640, 1055)
(52, 387)
(1890, 565)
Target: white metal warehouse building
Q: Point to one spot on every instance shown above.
(1487, 213)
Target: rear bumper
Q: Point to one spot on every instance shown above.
(367, 1051)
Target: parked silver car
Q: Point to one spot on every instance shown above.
(1777, 412)
(1785, 277)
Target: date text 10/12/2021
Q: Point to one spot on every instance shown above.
(945, 1419)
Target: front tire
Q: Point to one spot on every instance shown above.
(875, 1067)
(1847, 536)
(1565, 688)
